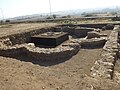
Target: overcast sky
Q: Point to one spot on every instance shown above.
(13, 8)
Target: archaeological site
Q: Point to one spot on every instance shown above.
(60, 57)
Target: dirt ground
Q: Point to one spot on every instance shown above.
(21, 74)
(23, 27)
(24, 73)
(16, 74)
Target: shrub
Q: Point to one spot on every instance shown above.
(7, 21)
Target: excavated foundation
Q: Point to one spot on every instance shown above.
(80, 38)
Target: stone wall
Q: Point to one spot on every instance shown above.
(5, 42)
(118, 29)
(92, 43)
(91, 25)
(105, 66)
(12, 50)
(69, 30)
(94, 34)
(82, 32)
(66, 50)
(77, 31)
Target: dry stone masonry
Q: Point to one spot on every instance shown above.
(66, 50)
(77, 31)
(105, 66)
(94, 34)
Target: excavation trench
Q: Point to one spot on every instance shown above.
(17, 44)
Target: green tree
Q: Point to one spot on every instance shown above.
(7, 21)
(54, 16)
(1, 22)
(68, 16)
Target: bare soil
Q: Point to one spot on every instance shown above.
(9, 29)
(19, 73)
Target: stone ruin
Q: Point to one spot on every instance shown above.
(52, 44)
(105, 66)
(65, 46)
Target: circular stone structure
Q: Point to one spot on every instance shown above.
(63, 51)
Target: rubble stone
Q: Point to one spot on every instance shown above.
(66, 50)
(94, 34)
(105, 66)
